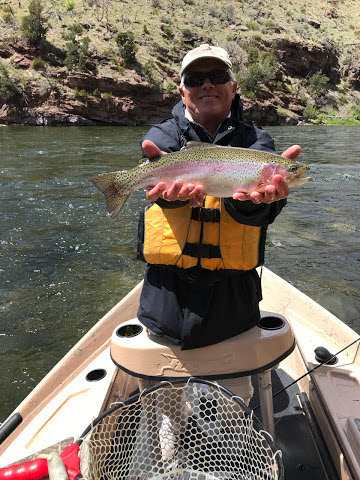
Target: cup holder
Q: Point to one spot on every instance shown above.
(271, 323)
(96, 375)
(130, 330)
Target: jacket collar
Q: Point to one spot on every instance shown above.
(236, 116)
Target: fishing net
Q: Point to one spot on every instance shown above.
(192, 431)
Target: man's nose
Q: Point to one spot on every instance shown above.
(207, 82)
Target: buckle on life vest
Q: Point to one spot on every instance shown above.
(205, 214)
(200, 250)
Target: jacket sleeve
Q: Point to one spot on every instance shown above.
(248, 212)
(254, 214)
(257, 139)
(165, 135)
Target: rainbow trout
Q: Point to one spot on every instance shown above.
(222, 171)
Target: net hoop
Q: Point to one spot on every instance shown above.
(193, 430)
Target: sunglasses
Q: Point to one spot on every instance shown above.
(216, 77)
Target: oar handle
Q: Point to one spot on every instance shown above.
(38, 469)
(32, 470)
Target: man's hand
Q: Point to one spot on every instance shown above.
(176, 191)
(274, 192)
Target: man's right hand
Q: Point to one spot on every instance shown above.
(176, 191)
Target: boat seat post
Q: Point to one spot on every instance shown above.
(266, 401)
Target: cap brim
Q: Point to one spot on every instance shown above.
(200, 57)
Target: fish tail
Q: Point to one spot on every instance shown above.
(115, 192)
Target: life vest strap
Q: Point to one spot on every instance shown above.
(201, 250)
(205, 214)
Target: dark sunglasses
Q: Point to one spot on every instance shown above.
(216, 77)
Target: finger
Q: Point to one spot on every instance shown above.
(172, 193)
(256, 197)
(282, 188)
(186, 191)
(270, 194)
(156, 192)
(292, 152)
(242, 196)
(151, 149)
(197, 191)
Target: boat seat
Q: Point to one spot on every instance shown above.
(152, 357)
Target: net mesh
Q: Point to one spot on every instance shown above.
(189, 431)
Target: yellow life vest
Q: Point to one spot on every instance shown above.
(209, 235)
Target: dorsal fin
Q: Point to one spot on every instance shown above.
(190, 145)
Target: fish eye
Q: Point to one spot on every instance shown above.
(292, 168)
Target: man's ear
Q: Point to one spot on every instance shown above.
(234, 89)
(181, 91)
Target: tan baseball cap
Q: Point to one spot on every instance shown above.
(205, 51)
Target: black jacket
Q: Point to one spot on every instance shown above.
(197, 307)
(174, 133)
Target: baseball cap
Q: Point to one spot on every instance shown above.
(205, 51)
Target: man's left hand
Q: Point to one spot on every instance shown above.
(274, 192)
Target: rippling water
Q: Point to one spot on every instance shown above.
(64, 263)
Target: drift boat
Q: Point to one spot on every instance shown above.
(305, 365)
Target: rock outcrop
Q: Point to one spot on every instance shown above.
(73, 98)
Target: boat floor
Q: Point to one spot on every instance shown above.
(292, 431)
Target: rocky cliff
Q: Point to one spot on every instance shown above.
(46, 92)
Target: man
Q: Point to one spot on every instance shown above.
(198, 301)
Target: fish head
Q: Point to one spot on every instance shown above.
(291, 172)
(294, 174)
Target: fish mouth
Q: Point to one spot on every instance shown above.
(296, 179)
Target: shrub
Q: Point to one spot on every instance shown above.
(310, 112)
(9, 92)
(126, 44)
(96, 93)
(8, 15)
(149, 70)
(261, 70)
(237, 55)
(317, 85)
(34, 26)
(171, 88)
(77, 52)
(37, 64)
(107, 96)
(355, 111)
(168, 32)
(69, 5)
(253, 25)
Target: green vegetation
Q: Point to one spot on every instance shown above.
(310, 112)
(37, 64)
(34, 26)
(260, 72)
(69, 5)
(145, 40)
(9, 92)
(318, 85)
(149, 70)
(77, 49)
(127, 48)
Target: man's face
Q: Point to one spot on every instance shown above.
(208, 101)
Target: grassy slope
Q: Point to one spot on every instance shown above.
(165, 29)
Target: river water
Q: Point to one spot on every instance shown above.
(64, 263)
